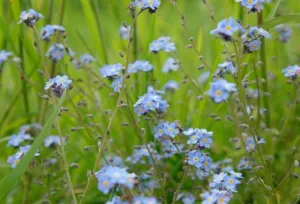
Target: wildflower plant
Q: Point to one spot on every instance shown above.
(172, 107)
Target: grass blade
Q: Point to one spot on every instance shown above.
(280, 20)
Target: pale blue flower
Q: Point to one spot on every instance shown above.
(49, 30)
(220, 89)
(111, 71)
(30, 17)
(124, 32)
(4, 56)
(171, 85)
(52, 141)
(162, 44)
(226, 28)
(254, 45)
(170, 65)
(56, 52)
(284, 32)
(16, 140)
(117, 84)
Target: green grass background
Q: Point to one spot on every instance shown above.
(92, 27)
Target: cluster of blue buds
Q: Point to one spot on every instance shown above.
(226, 28)
(49, 30)
(58, 84)
(171, 65)
(30, 17)
(16, 158)
(291, 71)
(222, 187)
(162, 44)
(151, 5)
(111, 71)
(110, 176)
(56, 52)
(253, 5)
(220, 89)
(140, 65)
(284, 32)
(252, 38)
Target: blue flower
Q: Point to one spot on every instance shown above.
(16, 140)
(111, 71)
(226, 67)
(202, 174)
(30, 17)
(16, 158)
(116, 200)
(151, 101)
(110, 176)
(152, 5)
(170, 85)
(162, 44)
(170, 65)
(124, 32)
(159, 130)
(49, 30)
(187, 198)
(141, 65)
(284, 32)
(205, 139)
(58, 84)
(220, 89)
(87, 59)
(249, 3)
(144, 200)
(255, 32)
(4, 56)
(165, 129)
(253, 5)
(195, 158)
(52, 141)
(291, 71)
(117, 84)
(254, 45)
(55, 52)
(226, 28)
(170, 149)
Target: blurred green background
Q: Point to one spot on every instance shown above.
(93, 27)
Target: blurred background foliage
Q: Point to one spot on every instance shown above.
(93, 27)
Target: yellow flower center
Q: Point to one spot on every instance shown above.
(57, 53)
(250, 1)
(105, 183)
(196, 159)
(230, 181)
(150, 2)
(218, 93)
(204, 140)
(228, 28)
(160, 131)
(206, 163)
(170, 129)
(149, 103)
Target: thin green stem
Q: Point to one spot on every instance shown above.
(66, 166)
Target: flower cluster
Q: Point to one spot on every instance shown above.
(226, 28)
(253, 5)
(284, 32)
(49, 30)
(117, 84)
(201, 137)
(291, 71)
(58, 84)
(166, 129)
(250, 143)
(222, 187)
(142, 152)
(26, 133)
(162, 44)
(252, 38)
(226, 67)
(151, 101)
(151, 5)
(109, 176)
(16, 158)
(30, 17)
(200, 160)
(171, 65)
(140, 65)
(111, 71)
(55, 52)
(220, 89)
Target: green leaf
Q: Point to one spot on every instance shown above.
(274, 10)
(92, 25)
(280, 20)
(13, 178)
